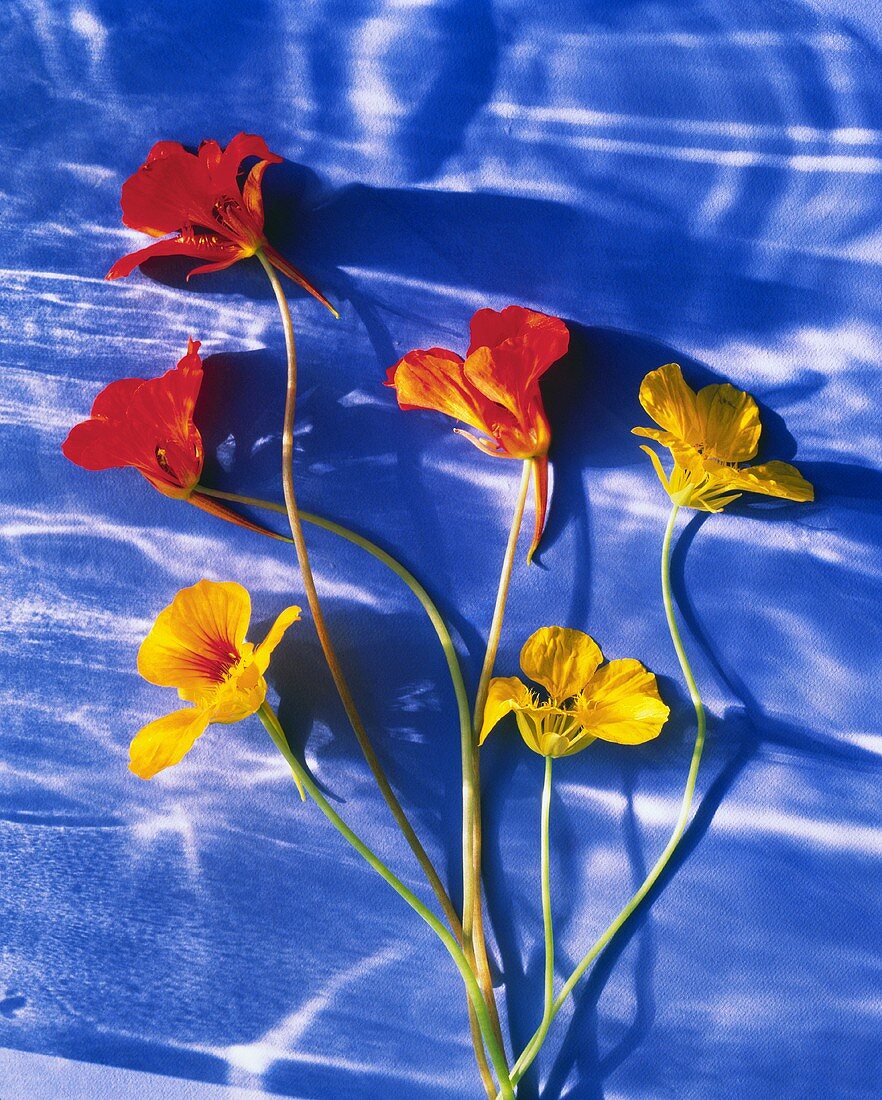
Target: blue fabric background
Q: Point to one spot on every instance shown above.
(686, 179)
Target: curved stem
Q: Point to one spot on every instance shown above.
(273, 727)
(459, 688)
(473, 915)
(532, 1048)
(316, 611)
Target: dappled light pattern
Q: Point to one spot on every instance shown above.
(688, 181)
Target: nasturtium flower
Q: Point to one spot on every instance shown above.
(212, 205)
(198, 646)
(710, 434)
(495, 389)
(617, 702)
(148, 425)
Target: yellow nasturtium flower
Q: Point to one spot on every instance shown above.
(619, 702)
(710, 434)
(197, 645)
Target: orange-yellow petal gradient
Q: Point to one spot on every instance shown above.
(197, 639)
(560, 659)
(622, 704)
(166, 741)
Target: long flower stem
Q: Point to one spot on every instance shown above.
(273, 727)
(459, 688)
(532, 1048)
(473, 915)
(315, 606)
(545, 871)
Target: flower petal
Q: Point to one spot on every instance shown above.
(729, 423)
(622, 704)
(166, 741)
(264, 651)
(505, 694)
(773, 479)
(671, 402)
(201, 247)
(526, 343)
(170, 190)
(561, 660)
(197, 639)
(434, 380)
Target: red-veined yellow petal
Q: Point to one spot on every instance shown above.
(197, 639)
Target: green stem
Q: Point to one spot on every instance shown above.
(545, 865)
(472, 915)
(316, 610)
(532, 1048)
(273, 727)
(453, 666)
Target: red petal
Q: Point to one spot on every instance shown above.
(97, 445)
(170, 190)
(524, 343)
(114, 400)
(206, 247)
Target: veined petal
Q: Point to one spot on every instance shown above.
(773, 479)
(264, 651)
(434, 380)
(671, 402)
(198, 247)
(505, 694)
(562, 660)
(197, 639)
(729, 423)
(165, 742)
(622, 704)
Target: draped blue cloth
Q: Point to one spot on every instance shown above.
(689, 180)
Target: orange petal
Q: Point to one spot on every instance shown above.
(540, 483)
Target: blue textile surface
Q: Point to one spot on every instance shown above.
(689, 180)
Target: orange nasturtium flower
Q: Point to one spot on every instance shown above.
(619, 702)
(197, 645)
(149, 426)
(710, 434)
(495, 389)
(208, 201)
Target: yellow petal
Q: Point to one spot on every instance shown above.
(166, 741)
(506, 693)
(671, 402)
(560, 659)
(772, 479)
(197, 639)
(622, 704)
(264, 651)
(240, 695)
(729, 423)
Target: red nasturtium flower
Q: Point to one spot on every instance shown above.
(149, 426)
(211, 205)
(495, 389)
